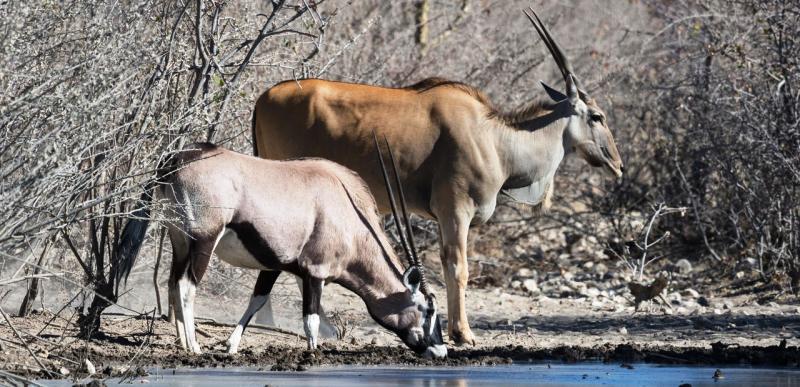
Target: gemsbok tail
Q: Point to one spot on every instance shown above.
(135, 229)
(133, 234)
(253, 133)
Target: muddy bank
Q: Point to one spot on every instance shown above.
(129, 346)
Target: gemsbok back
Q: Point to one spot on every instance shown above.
(456, 152)
(312, 218)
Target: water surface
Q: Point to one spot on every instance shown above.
(582, 374)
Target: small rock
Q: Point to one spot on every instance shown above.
(64, 371)
(524, 273)
(702, 301)
(752, 262)
(515, 284)
(568, 275)
(684, 266)
(89, 367)
(623, 331)
(588, 265)
(690, 293)
(96, 383)
(740, 274)
(717, 311)
(600, 269)
(718, 374)
(592, 292)
(578, 287)
(530, 286)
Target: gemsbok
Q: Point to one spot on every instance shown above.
(456, 152)
(312, 218)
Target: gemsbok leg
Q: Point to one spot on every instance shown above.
(266, 279)
(312, 296)
(187, 270)
(266, 315)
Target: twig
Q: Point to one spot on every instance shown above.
(211, 321)
(10, 325)
(27, 277)
(155, 269)
(695, 210)
(16, 379)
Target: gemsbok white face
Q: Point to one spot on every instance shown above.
(424, 336)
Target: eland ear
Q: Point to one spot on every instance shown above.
(412, 278)
(554, 94)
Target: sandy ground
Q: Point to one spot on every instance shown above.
(545, 296)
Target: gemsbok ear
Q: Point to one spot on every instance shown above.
(412, 278)
(554, 94)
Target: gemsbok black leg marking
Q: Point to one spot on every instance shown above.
(264, 283)
(312, 296)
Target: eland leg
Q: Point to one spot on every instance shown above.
(266, 279)
(312, 295)
(453, 229)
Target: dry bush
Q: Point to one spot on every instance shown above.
(701, 96)
(714, 121)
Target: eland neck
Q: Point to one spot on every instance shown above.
(532, 146)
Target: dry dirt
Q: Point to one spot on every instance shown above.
(510, 327)
(534, 295)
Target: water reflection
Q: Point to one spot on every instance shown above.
(584, 374)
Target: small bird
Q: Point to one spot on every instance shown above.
(643, 293)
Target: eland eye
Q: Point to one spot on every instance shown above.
(596, 118)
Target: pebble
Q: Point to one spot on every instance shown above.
(524, 273)
(89, 367)
(530, 286)
(690, 293)
(623, 331)
(600, 269)
(684, 266)
(592, 292)
(516, 284)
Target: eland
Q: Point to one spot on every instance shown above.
(456, 152)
